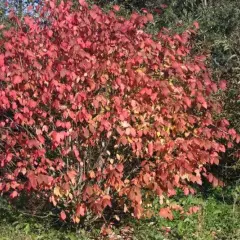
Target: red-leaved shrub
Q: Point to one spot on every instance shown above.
(96, 113)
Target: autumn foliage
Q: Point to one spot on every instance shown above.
(95, 113)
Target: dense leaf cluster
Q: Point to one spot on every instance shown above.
(96, 113)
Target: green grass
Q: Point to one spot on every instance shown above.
(219, 219)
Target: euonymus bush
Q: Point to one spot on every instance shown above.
(98, 114)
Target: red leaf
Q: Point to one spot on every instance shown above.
(83, 3)
(128, 131)
(76, 153)
(223, 85)
(124, 141)
(165, 91)
(116, 8)
(1, 60)
(14, 194)
(238, 139)
(86, 133)
(154, 96)
(186, 191)
(210, 178)
(71, 174)
(32, 104)
(163, 6)
(50, 33)
(166, 213)
(193, 209)
(106, 201)
(146, 178)
(215, 182)
(81, 210)
(17, 79)
(202, 101)
(52, 4)
(32, 179)
(119, 167)
(222, 148)
(57, 136)
(150, 148)
(196, 25)
(92, 174)
(144, 10)
(187, 101)
(133, 132)
(63, 215)
(93, 14)
(91, 84)
(214, 87)
(149, 17)
(29, 8)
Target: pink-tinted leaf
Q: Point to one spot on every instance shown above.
(1, 60)
(14, 194)
(166, 213)
(116, 8)
(83, 3)
(63, 215)
(223, 85)
(17, 79)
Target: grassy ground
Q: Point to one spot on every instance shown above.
(219, 219)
